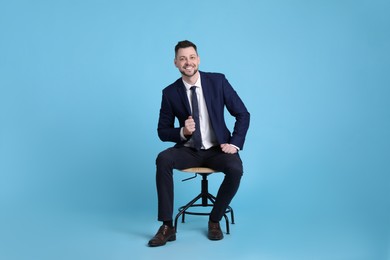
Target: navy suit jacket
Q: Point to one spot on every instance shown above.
(218, 94)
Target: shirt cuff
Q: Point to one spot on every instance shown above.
(183, 138)
(238, 149)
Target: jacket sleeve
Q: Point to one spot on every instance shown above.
(237, 109)
(166, 130)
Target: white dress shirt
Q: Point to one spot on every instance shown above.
(206, 130)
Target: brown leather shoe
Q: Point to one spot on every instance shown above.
(215, 232)
(163, 235)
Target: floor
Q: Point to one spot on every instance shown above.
(118, 236)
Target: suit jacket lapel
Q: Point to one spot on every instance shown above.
(183, 95)
(206, 85)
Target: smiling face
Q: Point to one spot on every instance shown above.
(187, 61)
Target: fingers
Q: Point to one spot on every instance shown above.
(227, 148)
(189, 126)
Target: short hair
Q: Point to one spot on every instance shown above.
(185, 44)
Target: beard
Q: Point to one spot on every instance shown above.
(185, 73)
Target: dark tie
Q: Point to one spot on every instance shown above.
(196, 135)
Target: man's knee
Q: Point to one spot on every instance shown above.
(164, 159)
(234, 168)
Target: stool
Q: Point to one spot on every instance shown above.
(204, 195)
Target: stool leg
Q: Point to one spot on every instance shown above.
(204, 190)
(183, 209)
(227, 224)
(231, 214)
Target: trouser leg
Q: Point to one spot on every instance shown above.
(164, 183)
(167, 160)
(231, 166)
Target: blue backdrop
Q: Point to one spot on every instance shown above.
(80, 90)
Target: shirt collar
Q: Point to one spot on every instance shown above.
(197, 84)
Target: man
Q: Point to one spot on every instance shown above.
(197, 100)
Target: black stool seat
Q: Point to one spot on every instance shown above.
(204, 196)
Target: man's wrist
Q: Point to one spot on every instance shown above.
(183, 136)
(238, 149)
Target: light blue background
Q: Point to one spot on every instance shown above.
(80, 90)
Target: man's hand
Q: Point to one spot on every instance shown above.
(228, 148)
(189, 126)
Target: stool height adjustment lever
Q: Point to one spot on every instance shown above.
(193, 177)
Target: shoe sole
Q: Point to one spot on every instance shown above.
(170, 239)
(215, 238)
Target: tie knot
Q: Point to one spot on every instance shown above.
(193, 88)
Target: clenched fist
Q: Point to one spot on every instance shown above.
(189, 126)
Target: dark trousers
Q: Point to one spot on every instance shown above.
(184, 157)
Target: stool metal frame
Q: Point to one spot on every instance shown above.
(204, 196)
